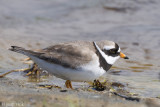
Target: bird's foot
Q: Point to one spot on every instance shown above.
(27, 61)
(68, 84)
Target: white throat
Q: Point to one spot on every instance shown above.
(109, 59)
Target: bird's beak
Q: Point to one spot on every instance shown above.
(122, 55)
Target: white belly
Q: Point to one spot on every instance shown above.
(87, 72)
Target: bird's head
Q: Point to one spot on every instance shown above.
(110, 51)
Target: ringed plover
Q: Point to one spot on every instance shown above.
(76, 61)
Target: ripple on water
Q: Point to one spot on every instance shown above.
(142, 78)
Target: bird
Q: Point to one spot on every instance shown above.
(79, 61)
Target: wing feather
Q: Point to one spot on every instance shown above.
(69, 54)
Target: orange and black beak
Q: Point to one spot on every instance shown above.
(122, 55)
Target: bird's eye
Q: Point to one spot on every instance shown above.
(112, 51)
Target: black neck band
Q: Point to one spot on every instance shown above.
(102, 61)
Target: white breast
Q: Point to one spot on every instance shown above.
(86, 72)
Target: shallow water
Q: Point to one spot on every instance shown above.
(134, 25)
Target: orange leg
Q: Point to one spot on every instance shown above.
(27, 59)
(68, 84)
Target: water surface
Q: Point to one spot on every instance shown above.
(134, 25)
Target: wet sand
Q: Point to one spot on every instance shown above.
(16, 93)
(32, 24)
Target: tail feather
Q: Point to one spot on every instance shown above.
(23, 51)
(16, 48)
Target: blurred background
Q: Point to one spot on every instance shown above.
(133, 24)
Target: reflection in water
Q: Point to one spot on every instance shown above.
(143, 78)
(147, 54)
(137, 71)
(135, 67)
(135, 43)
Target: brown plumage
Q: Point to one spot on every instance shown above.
(75, 61)
(70, 54)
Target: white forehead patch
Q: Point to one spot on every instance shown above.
(111, 47)
(119, 50)
(108, 47)
(109, 59)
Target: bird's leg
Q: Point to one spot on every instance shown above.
(68, 84)
(27, 59)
